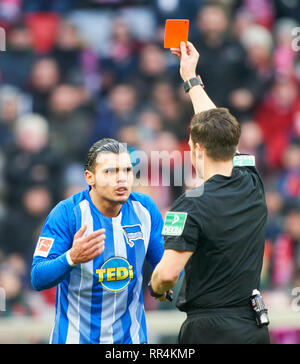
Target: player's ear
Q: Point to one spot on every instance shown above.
(90, 178)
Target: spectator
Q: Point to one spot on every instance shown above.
(21, 225)
(45, 76)
(149, 125)
(152, 68)
(284, 55)
(261, 11)
(122, 56)
(16, 61)
(251, 142)
(275, 116)
(275, 221)
(167, 103)
(16, 304)
(223, 61)
(119, 111)
(286, 251)
(258, 42)
(10, 11)
(74, 58)
(69, 123)
(289, 182)
(12, 104)
(30, 160)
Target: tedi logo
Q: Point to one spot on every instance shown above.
(115, 274)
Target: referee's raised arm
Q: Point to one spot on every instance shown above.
(189, 57)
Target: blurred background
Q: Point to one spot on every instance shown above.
(75, 71)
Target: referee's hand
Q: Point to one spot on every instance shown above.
(189, 57)
(167, 296)
(87, 248)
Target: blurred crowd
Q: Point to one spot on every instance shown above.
(77, 71)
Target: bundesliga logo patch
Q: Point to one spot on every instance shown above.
(174, 223)
(43, 247)
(115, 274)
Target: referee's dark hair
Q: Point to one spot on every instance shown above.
(218, 132)
(105, 145)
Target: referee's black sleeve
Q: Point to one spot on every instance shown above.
(189, 238)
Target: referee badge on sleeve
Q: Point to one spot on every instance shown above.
(174, 223)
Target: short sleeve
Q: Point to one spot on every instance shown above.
(248, 161)
(181, 231)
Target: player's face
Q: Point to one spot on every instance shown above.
(113, 177)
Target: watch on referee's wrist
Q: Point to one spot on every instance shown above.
(152, 293)
(192, 82)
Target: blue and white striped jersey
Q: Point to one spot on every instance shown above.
(100, 301)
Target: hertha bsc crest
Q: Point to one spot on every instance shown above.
(133, 233)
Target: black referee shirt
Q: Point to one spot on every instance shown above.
(224, 225)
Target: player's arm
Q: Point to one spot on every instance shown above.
(189, 57)
(58, 251)
(155, 249)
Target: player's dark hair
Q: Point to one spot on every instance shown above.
(218, 132)
(105, 145)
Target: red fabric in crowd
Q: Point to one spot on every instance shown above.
(44, 29)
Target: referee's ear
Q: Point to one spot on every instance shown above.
(198, 149)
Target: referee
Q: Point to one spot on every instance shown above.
(217, 232)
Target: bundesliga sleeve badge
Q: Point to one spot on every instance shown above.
(174, 223)
(43, 247)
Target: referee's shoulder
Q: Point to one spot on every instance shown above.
(187, 201)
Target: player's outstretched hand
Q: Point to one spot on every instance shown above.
(86, 248)
(189, 57)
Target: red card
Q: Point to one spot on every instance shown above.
(176, 31)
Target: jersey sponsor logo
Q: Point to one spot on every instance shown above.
(115, 274)
(174, 223)
(133, 233)
(244, 161)
(43, 247)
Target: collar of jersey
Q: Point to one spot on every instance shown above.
(221, 177)
(88, 197)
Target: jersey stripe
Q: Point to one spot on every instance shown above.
(106, 332)
(79, 305)
(135, 307)
(122, 296)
